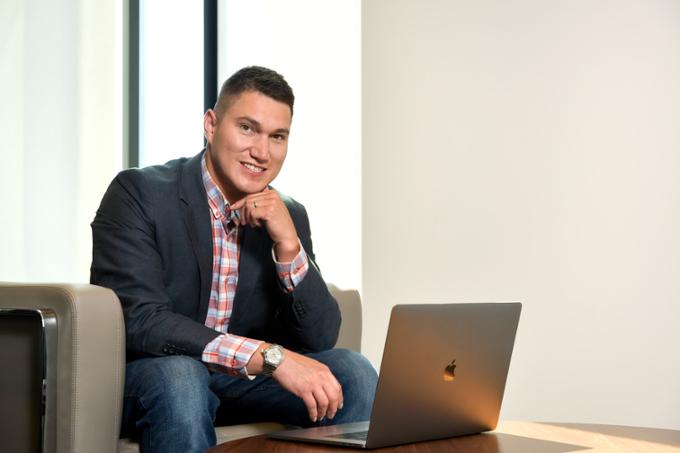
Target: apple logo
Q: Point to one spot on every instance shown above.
(450, 371)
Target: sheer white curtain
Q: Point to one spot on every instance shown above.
(60, 132)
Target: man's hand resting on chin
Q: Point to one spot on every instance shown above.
(266, 209)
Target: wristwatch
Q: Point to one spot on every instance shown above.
(273, 356)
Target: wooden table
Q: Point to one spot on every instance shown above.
(509, 437)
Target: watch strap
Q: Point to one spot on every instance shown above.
(268, 369)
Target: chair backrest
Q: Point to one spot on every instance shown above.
(350, 308)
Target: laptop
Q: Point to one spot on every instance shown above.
(443, 374)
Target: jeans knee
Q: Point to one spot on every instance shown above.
(353, 368)
(178, 384)
(177, 371)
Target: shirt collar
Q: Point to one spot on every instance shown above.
(219, 206)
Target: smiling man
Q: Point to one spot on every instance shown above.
(227, 316)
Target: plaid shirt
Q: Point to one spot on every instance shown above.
(231, 353)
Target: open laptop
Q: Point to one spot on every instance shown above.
(443, 374)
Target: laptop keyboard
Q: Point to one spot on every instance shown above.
(358, 435)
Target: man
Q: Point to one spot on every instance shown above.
(215, 269)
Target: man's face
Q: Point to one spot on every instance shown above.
(247, 144)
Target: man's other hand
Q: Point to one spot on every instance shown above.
(267, 209)
(311, 381)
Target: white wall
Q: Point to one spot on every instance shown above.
(528, 151)
(316, 46)
(59, 133)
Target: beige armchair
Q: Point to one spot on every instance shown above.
(83, 346)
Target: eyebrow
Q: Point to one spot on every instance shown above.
(258, 125)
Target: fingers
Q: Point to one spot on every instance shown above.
(310, 402)
(333, 392)
(267, 209)
(341, 396)
(328, 394)
(256, 209)
(324, 399)
(252, 197)
(255, 212)
(312, 382)
(322, 402)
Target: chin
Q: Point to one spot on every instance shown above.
(249, 190)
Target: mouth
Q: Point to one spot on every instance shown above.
(252, 168)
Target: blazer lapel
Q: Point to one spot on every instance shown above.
(196, 213)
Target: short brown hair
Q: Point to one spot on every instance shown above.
(255, 78)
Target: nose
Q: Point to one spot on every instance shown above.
(260, 148)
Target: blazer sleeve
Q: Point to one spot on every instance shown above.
(312, 316)
(125, 258)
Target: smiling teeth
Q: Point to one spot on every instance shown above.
(253, 168)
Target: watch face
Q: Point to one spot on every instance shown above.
(274, 355)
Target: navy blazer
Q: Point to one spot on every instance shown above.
(152, 245)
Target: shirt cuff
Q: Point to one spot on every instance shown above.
(291, 274)
(230, 354)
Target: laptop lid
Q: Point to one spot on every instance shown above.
(443, 371)
(443, 374)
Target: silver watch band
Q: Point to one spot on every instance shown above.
(268, 369)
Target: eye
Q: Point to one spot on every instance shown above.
(279, 137)
(245, 127)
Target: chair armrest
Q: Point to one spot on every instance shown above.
(90, 360)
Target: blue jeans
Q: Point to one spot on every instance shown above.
(171, 403)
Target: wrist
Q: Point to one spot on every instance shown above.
(286, 250)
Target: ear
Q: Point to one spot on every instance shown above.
(209, 124)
